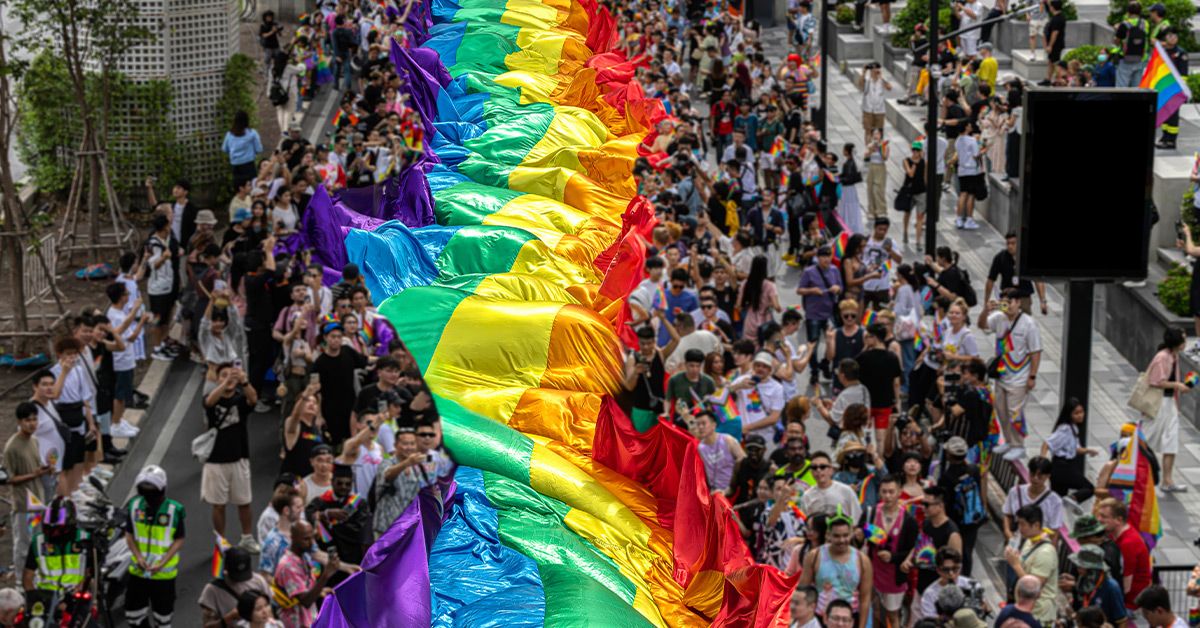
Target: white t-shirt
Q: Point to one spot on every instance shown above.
(770, 399)
(827, 500)
(126, 359)
(961, 342)
(131, 286)
(968, 152)
(643, 295)
(705, 341)
(1026, 340)
(875, 256)
(976, 7)
(162, 278)
(49, 441)
(1051, 505)
(929, 597)
(874, 96)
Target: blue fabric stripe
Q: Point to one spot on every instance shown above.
(476, 580)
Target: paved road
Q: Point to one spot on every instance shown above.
(176, 417)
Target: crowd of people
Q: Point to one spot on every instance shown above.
(882, 358)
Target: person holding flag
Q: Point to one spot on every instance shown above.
(1164, 74)
(25, 466)
(889, 534)
(342, 519)
(233, 576)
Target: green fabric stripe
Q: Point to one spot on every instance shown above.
(485, 52)
(512, 139)
(482, 249)
(421, 334)
(583, 586)
(492, 447)
(468, 203)
(486, 172)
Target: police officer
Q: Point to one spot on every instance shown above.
(1158, 22)
(56, 565)
(1179, 58)
(154, 533)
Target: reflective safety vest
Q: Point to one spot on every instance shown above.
(154, 532)
(61, 566)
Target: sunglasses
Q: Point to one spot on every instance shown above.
(849, 316)
(708, 307)
(820, 467)
(426, 434)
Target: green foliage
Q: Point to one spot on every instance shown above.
(917, 12)
(1193, 83)
(50, 127)
(238, 90)
(1173, 292)
(1179, 13)
(1084, 54)
(844, 14)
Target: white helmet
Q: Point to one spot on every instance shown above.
(153, 475)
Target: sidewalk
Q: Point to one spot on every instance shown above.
(1112, 375)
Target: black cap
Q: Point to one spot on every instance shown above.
(343, 471)
(350, 271)
(238, 565)
(319, 450)
(754, 440)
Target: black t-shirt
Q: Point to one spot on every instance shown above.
(952, 278)
(920, 60)
(233, 440)
(878, 370)
(847, 346)
(336, 374)
(367, 401)
(949, 481)
(105, 375)
(940, 537)
(1057, 24)
(973, 425)
(270, 42)
(954, 112)
(294, 158)
(648, 391)
(1004, 268)
(259, 308)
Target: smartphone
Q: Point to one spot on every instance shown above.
(237, 364)
(313, 378)
(429, 457)
(219, 284)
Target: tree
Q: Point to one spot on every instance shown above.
(11, 211)
(84, 34)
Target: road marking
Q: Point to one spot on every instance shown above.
(314, 138)
(168, 432)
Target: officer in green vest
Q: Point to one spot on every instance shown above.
(56, 564)
(1179, 58)
(1158, 23)
(154, 533)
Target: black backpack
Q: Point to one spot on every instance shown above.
(1135, 38)
(967, 292)
(278, 95)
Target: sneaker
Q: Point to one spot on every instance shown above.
(249, 544)
(262, 407)
(110, 459)
(970, 224)
(1072, 505)
(1014, 454)
(958, 222)
(124, 430)
(1001, 448)
(1135, 284)
(788, 257)
(1175, 488)
(162, 354)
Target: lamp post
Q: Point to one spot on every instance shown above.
(933, 190)
(821, 117)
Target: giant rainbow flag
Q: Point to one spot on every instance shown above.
(503, 258)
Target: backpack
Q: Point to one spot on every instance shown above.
(966, 291)
(278, 95)
(969, 499)
(1135, 38)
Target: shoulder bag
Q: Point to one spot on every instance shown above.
(993, 366)
(1145, 398)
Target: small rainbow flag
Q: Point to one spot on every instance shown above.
(918, 341)
(323, 533)
(727, 410)
(353, 502)
(218, 557)
(34, 505)
(839, 247)
(784, 177)
(1191, 379)
(870, 317)
(875, 534)
(798, 513)
(324, 72)
(779, 146)
(1162, 77)
(863, 486)
(1194, 616)
(343, 117)
(660, 298)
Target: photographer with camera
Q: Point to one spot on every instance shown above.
(1015, 367)
(1037, 557)
(645, 377)
(966, 407)
(959, 607)
(949, 565)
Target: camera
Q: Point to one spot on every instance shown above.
(951, 389)
(1179, 230)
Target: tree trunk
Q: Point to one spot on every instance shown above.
(11, 210)
(93, 199)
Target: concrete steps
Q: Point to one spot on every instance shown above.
(852, 46)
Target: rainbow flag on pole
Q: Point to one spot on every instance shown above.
(218, 557)
(1162, 77)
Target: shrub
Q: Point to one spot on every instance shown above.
(1179, 12)
(917, 12)
(844, 14)
(1084, 54)
(1174, 291)
(1193, 83)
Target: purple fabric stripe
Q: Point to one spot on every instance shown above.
(397, 562)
